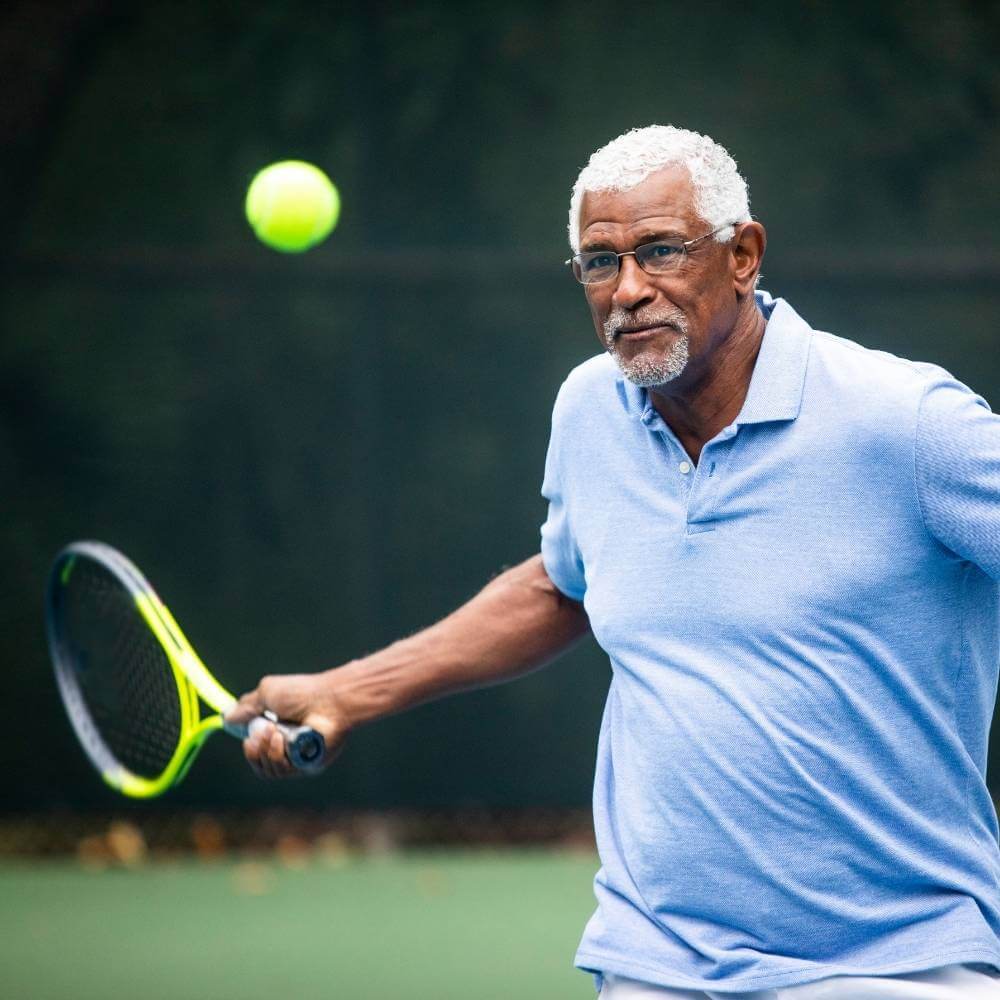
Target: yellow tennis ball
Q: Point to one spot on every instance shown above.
(292, 206)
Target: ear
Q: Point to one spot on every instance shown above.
(746, 256)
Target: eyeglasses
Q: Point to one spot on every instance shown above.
(654, 258)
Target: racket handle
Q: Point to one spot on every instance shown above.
(304, 747)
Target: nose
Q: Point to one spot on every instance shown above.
(632, 288)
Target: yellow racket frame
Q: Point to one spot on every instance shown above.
(304, 746)
(192, 677)
(193, 680)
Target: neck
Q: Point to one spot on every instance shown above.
(696, 408)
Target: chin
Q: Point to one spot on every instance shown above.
(649, 381)
(649, 369)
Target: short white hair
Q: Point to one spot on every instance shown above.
(720, 193)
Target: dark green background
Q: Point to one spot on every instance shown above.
(311, 456)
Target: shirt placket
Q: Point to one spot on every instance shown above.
(700, 483)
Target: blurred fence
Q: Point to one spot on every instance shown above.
(311, 456)
(293, 836)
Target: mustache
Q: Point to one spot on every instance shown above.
(620, 317)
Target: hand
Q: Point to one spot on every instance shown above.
(306, 699)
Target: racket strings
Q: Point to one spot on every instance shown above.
(123, 674)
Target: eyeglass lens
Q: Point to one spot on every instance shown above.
(602, 265)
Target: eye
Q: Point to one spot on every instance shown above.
(599, 261)
(654, 250)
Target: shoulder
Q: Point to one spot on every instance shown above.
(590, 389)
(595, 373)
(869, 388)
(876, 407)
(593, 411)
(865, 369)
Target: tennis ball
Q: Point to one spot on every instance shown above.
(292, 206)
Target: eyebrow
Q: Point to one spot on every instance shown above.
(652, 235)
(590, 246)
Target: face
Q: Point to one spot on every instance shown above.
(662, 329)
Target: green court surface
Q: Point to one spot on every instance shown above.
(474, 925)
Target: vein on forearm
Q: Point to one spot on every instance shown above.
(517, 623)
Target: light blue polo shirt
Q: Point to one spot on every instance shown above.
(803, 634)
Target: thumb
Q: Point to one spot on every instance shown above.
(249, 706)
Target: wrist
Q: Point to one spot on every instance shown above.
(383, 683)
(343, 695)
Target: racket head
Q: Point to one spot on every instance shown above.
(118, 670)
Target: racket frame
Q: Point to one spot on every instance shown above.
(190, 674)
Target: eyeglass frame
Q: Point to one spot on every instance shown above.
(685, 245)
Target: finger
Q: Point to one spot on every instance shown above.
(251, 751)
(248, 707)
(264, 752)
(256, 749)
(272, 754)
(281, 767)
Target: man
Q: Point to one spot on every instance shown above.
(789, 547)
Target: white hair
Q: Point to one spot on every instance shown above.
(720, 193)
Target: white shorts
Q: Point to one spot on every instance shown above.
(950, 982)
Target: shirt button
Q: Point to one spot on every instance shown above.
(684, 467)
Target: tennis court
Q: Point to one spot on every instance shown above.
(443, 924)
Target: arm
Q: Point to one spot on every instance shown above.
(957, 472)
(517, 623)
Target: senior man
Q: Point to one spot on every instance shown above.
(789, 547)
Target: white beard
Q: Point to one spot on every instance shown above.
(649, 368)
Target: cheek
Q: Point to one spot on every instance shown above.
(713, 323)
(598, 314)
(709, 311)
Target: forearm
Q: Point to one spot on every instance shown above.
(518, 622)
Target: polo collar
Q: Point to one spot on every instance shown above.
(779, 373)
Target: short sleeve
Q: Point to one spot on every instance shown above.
(560, 553)
(957, 457)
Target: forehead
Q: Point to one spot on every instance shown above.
(666, 196)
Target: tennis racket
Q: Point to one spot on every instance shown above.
(131, 682)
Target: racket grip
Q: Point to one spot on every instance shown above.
(304, 747)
